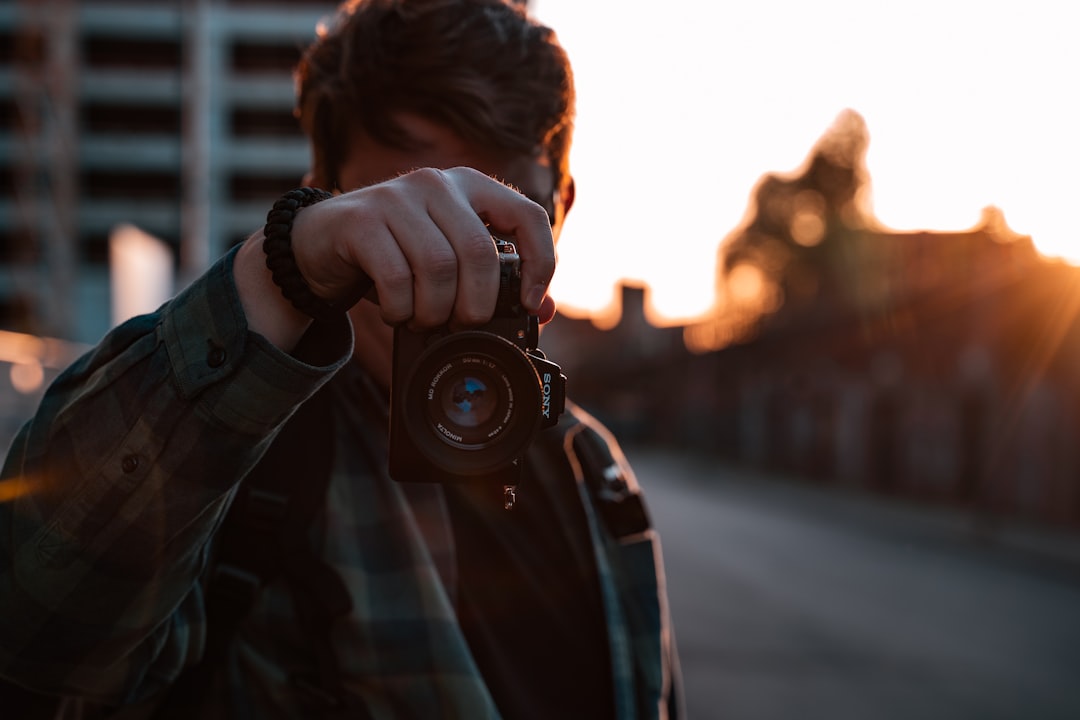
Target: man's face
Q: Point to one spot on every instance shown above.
(369, 162)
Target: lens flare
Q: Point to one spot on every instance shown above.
(15, 488)
(27, 377)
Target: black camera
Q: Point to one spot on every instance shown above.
(466, 405)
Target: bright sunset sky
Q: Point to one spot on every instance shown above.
(682, 107)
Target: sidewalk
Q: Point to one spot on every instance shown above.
(797, 600)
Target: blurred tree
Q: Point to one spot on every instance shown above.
(791, 251)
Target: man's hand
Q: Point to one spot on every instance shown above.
(424, 238)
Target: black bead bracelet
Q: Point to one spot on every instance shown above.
(277, 244)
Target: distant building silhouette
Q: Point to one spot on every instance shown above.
(619, 373)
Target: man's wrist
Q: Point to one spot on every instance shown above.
(277, 245)
(268, 312)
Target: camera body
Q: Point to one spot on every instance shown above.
(465, 406)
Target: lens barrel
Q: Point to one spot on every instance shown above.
(474, 403)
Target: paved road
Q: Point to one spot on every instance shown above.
(791, 602)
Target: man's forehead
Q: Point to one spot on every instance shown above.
(430, 136)
(435, 145)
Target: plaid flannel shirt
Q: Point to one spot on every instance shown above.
(130, 465)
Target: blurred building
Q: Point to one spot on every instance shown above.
(175, 117)
(620, 373)
(941, 366)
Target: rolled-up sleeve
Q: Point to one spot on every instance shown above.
(127, 470)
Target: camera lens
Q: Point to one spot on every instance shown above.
(469, 400)
(473, 404)
(468, 403)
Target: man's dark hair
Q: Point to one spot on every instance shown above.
(481, 67)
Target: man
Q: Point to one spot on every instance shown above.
(159, 461)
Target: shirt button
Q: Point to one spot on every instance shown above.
(130, 464)
(215, 358)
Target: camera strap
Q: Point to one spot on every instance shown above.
(644, 661)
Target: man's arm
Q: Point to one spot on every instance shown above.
(130, 463)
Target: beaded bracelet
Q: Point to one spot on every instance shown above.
(277, 244)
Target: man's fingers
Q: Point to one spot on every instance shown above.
(478, 278)
(379, 256)
(434, 267)
(453, 213)
(509, 213)
(546, 313)
(425, 240)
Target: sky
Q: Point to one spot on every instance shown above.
(682, 107)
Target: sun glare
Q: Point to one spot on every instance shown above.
(968, 104)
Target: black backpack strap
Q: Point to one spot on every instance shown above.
(614, 491)
(18, 702)
(264, 537)
(319, 595)
(645, 661)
